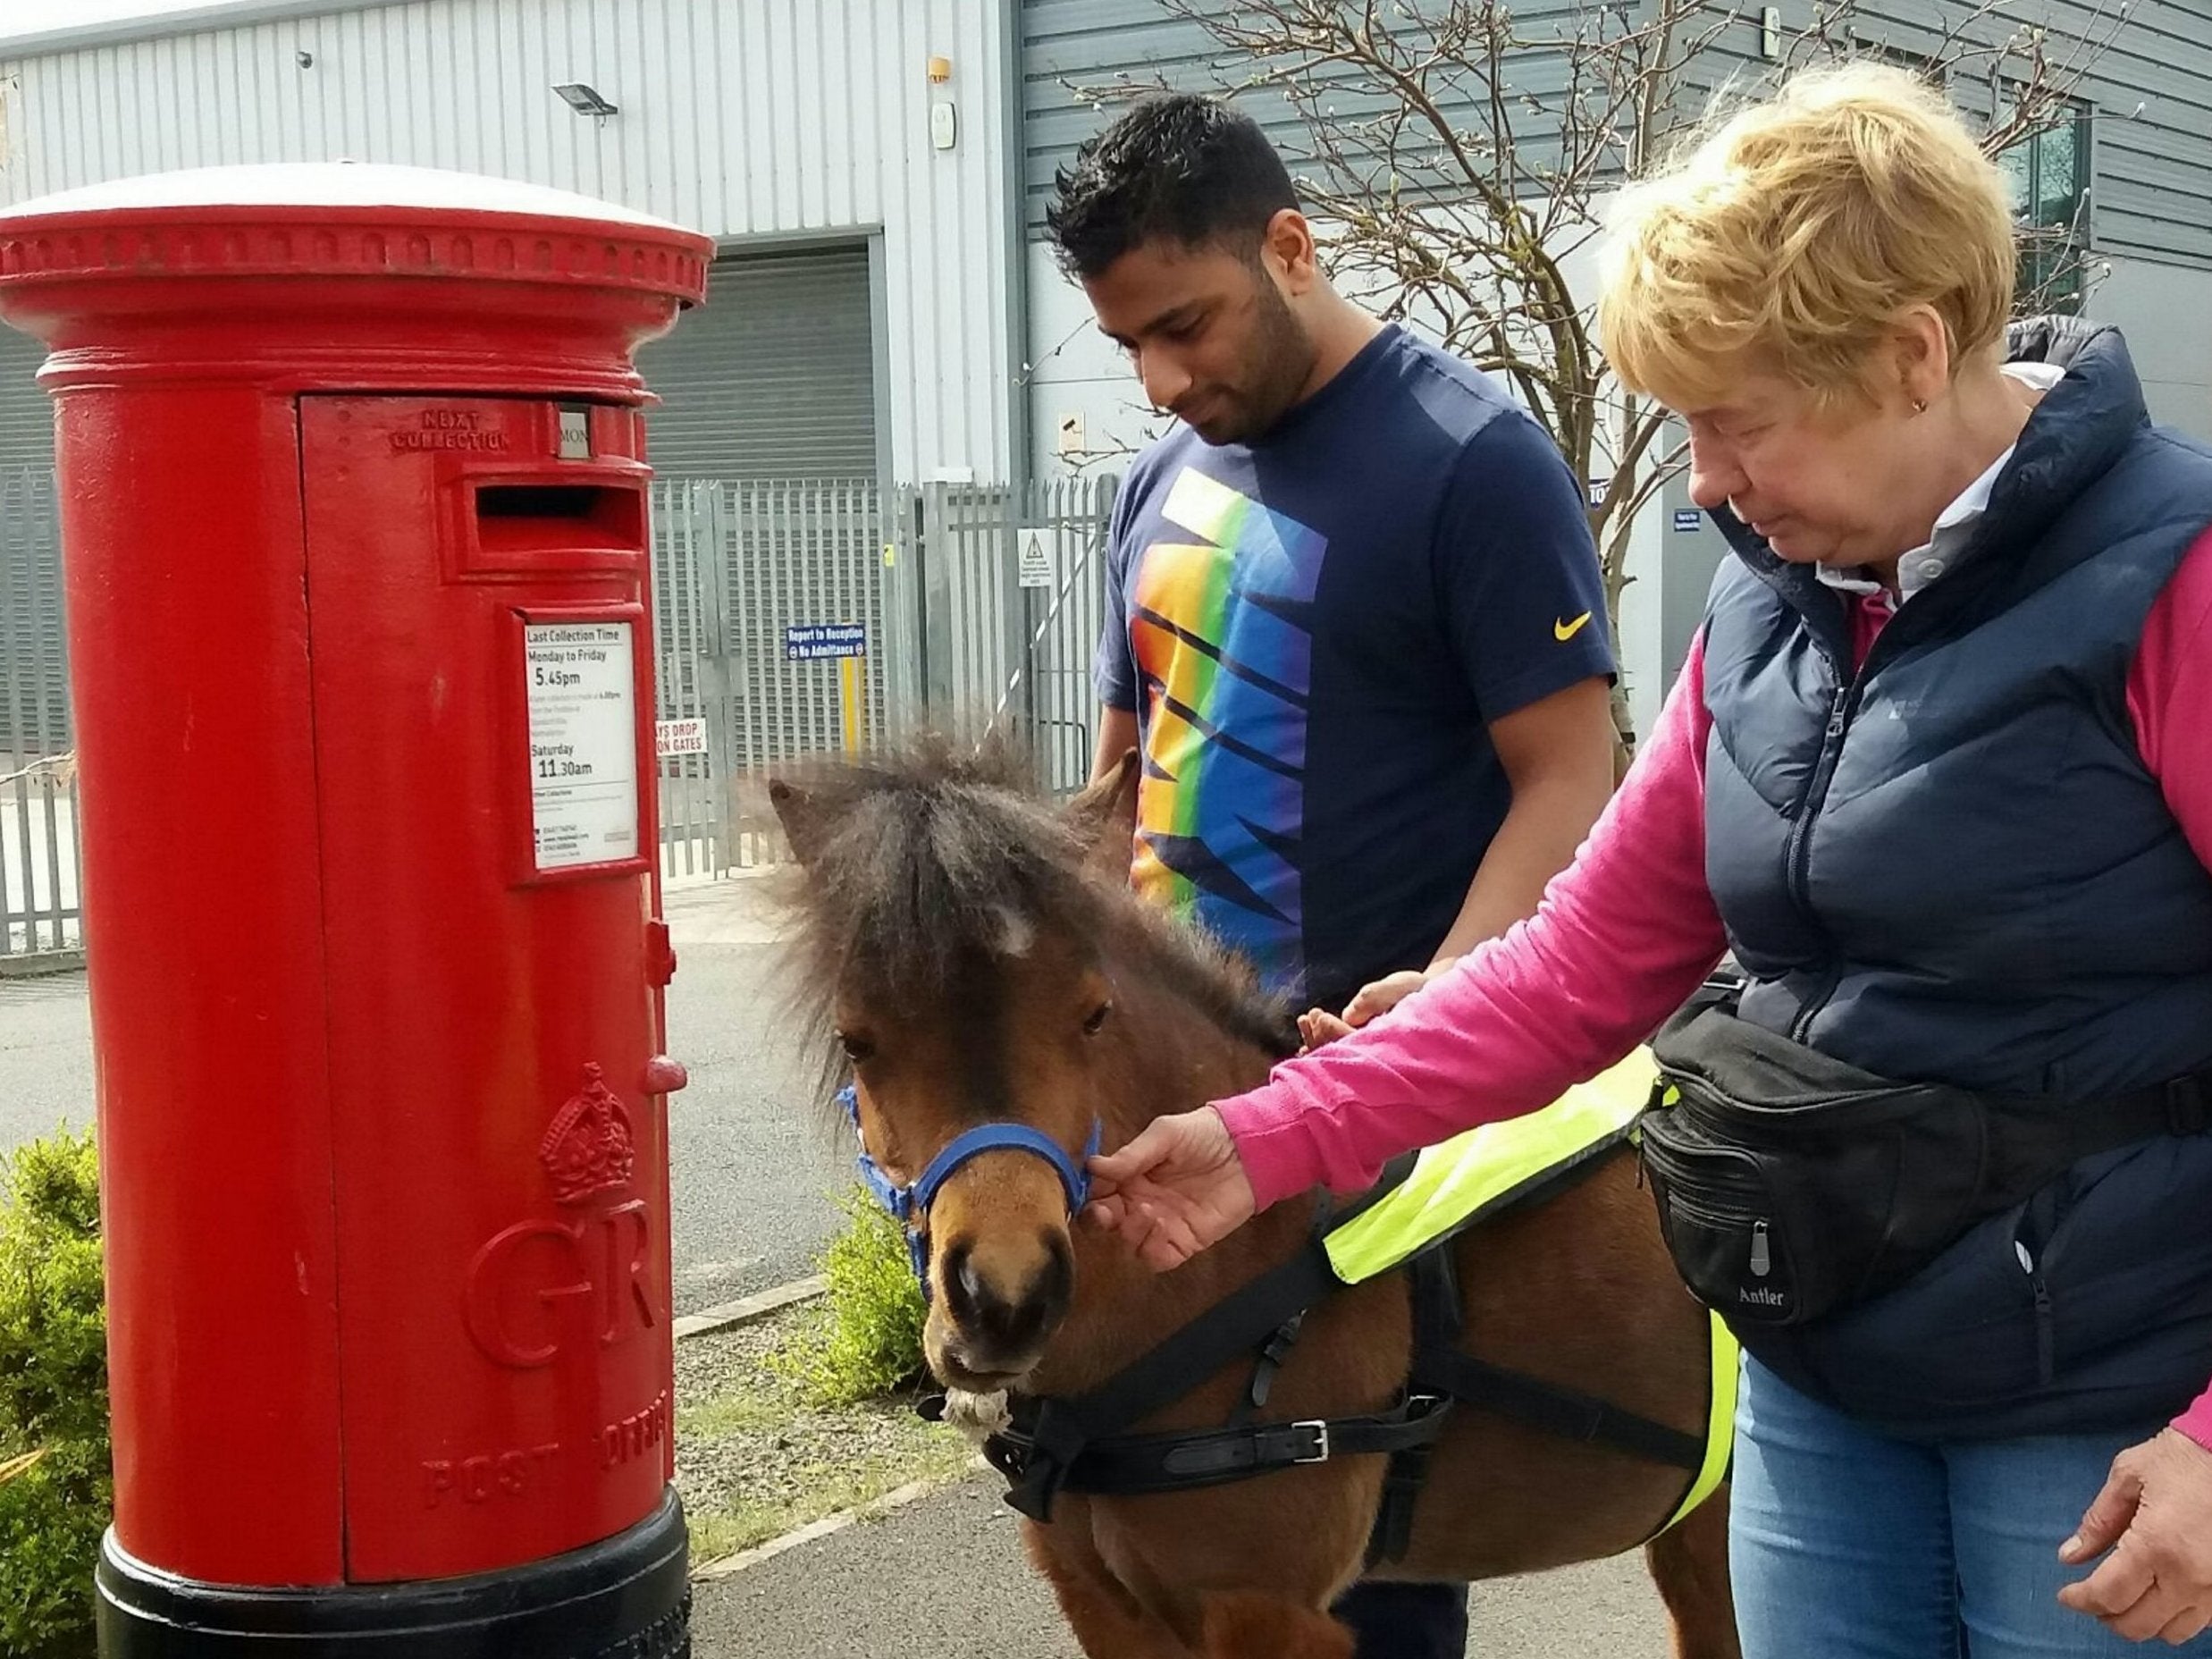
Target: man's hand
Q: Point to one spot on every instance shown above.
(1177, 1188)
(1378, 999)
(1316, 1026)
(2155, 1515)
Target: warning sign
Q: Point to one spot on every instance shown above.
(1038, 544)
(683, 736)
(583, 691)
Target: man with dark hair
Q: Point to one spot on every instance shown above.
(1354, 618)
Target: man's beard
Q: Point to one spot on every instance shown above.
(1281, 361)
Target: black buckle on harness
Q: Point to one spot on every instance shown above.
(1036, 1457)
(1319, 1430)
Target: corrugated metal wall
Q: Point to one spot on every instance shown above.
(2153, 171)
(2151, 193)
(1072, 47)
(738, 117)
(775, 378)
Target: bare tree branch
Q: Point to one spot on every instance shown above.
(1458, 161)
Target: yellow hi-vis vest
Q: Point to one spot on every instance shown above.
(1459, 1181)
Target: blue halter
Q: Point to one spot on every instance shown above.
(911, 1204)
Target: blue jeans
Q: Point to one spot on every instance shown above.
(1406, 1620)
(1845, 1544)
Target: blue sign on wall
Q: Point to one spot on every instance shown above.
(809, 641)
(1687, 519)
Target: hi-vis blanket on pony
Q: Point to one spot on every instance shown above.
(1489, 1169)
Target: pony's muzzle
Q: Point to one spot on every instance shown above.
(1001, 1304)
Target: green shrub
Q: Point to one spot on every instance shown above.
(868, 1342)
(53, 1397)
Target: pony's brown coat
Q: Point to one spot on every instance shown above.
(913, 871)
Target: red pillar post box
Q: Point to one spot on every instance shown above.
(354, 527)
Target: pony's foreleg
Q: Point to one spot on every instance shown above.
(1241, 1624)
(1105, 1619)
(1689, 1563)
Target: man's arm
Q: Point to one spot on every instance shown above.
(1558, 754)
(1117, 736)
(1522, 599)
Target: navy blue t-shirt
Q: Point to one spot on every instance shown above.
(1313, 629)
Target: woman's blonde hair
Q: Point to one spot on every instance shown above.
(1793, 235)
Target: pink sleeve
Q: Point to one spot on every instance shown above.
(1622, 937)
(2167, 692)
(2169, 689)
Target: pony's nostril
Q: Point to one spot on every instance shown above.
(964, 1286)
(1009, 1321)
(1055, 1281)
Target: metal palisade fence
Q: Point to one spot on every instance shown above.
(794, 618)
(1011, 591)
(799, 619)
(769, 629)
(41, 867)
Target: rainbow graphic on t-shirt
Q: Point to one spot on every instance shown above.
(1220, 630)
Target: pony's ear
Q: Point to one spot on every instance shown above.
(1105, 817)
(804, 820)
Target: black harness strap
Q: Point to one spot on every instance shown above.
(1180, 1461)
(1440, 1367)
(1564, 1412)
(1434, 1285)
(1081, 1444)
(1038, 1456)
(1048, 1438)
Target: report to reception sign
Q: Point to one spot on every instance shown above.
(811, 642)
(583, 687)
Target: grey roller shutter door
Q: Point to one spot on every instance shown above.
(774, 377)
(26, 412)
(34, 685)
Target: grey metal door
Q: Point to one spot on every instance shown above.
(774, 377)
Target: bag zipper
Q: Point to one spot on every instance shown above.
(1688, 1206)
(2046, 1337)
(1736, 1169)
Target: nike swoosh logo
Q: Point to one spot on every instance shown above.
(1568, 630)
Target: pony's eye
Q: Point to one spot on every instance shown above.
(1095, 1024)
(856, 1048)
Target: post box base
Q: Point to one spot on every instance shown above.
(625, 1597)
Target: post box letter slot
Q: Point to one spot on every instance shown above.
(528, 517)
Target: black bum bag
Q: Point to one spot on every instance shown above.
(1790, 1184)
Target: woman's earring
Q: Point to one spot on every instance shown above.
(1919, 406)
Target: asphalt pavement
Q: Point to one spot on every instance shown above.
(945, 1577)
(756, 1161)
(45, 1056)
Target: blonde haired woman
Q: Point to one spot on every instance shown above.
(1938, 772)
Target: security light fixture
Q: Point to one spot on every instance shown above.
(584, 99)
